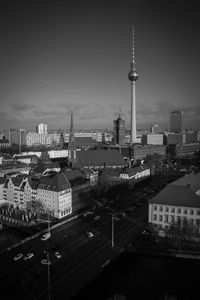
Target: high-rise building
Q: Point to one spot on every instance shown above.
(71, 133)
(119, 131)
(41, 128)
(133, 76)
(176, 121)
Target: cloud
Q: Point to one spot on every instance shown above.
(91, 115)
(19, 107)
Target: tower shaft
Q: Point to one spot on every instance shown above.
(133, 114)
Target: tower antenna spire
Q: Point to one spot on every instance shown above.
(133, 45)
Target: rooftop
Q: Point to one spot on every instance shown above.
(2, 180)
(25, 156)
(181, 192)
(192, 180)
(58, 182)
(98, 158)
(42, 166)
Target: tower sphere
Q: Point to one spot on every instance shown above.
(132, 75)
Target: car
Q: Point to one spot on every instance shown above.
(46, 236)
(57, 254)
(45, 262)
(18, 256)
(88, 213)
(90, 234)
(28, 256)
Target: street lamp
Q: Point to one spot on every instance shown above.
(113, 219)
(48, 262)
(49, 282)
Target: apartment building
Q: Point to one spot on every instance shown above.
(53, 192)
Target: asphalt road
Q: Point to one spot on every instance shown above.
(82, 258)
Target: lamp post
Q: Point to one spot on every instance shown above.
(48, 264)
(113, 219)
(49, 282)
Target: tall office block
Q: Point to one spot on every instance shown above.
(176, 121)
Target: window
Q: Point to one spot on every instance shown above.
(155, 207)
(166, 209)
(198, 222)
(155, 217)
(161, 208)
(172, 219)
(191, 221)
(179, 211)
(191, 211)
(185, 211)
(198, 212)
(173, 210)
(160, 218)
(166, 219)
(178, 220)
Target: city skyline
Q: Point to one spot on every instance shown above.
(57, 58)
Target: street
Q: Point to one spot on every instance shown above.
(82, 258)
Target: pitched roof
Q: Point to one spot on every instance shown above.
(2, 180)
(42, 166)
(73, 174)
(192, 179)
(17, 180)
(177, 196)
(179, 193)
(58, 182)
(134, 170)
(82, 140)
(33, 182)
(86, 158)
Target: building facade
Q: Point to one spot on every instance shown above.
(141, 171)
(41, 128)
(152, 139)
(4, 144)
(176, 121)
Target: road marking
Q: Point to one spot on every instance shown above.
(106, 263)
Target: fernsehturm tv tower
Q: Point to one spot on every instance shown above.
(133, 76)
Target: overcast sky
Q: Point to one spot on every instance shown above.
(57, 57)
